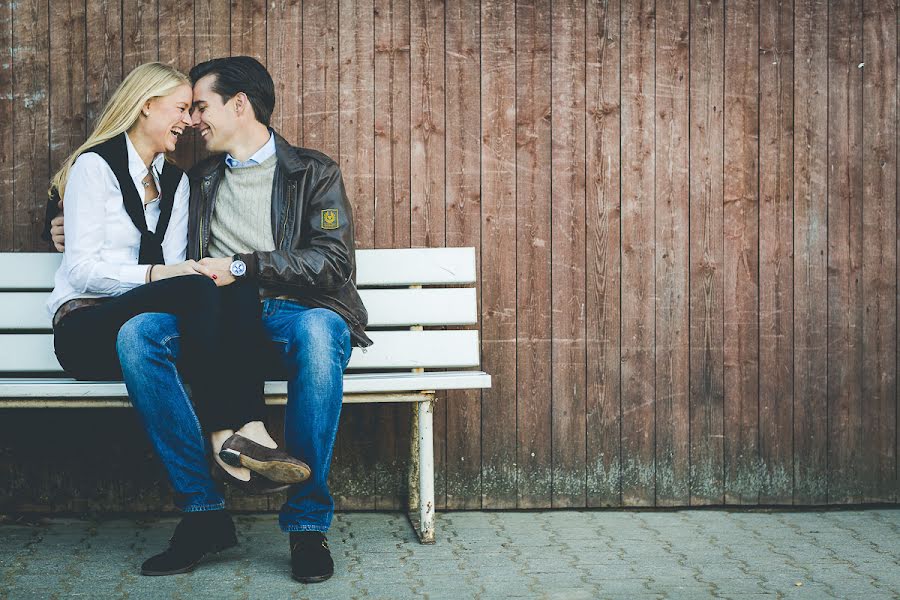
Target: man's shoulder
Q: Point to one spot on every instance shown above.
(297, 157)
(205, 166)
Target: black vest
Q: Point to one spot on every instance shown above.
(115, 153)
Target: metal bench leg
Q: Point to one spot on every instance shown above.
(423, 443)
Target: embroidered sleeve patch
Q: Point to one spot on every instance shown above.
(330, 219)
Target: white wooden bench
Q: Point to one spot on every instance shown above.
(404, 290)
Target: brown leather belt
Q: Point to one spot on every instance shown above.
(75, 304)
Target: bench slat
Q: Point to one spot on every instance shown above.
(392, 350)
(360, 383)
(374, 267)
(387, 308)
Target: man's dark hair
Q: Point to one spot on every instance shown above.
(241, 74)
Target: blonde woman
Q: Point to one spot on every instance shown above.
(125, 240)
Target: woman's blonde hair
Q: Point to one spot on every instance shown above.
(147, 81)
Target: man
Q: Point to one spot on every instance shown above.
(276, 215)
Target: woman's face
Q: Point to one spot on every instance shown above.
(167, 119)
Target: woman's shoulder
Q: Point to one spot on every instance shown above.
(90, 164)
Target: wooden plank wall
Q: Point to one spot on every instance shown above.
(685, 213)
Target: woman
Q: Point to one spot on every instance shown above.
(126, 231)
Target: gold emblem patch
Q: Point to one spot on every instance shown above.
(330, 218)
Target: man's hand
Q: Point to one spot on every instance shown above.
(57, 233)
(188, 267)
(221, 268)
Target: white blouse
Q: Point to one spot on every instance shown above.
(102, 244)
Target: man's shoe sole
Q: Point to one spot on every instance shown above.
(312, 578)
(273, 470)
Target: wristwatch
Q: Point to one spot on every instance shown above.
(238, 267)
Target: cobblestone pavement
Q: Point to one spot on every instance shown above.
(568, 555)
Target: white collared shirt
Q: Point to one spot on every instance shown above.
(102, 244)
(267, 150)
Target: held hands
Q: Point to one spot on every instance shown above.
(188, 267)
(219, 269)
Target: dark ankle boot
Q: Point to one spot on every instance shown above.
(196, 535)
(310, 557)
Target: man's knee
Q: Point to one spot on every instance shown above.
(320, 332)
(144, 335)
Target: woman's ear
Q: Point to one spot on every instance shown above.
(146, 109)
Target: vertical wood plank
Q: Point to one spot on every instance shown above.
(671, 255)
(248, 29)
(776, 118)
(533, 214)
(31, 91)
(7, 128)
(354, 470)
(461, 418)
(498, 244)
(845, 252)
(176, 48)
(638, 230)
(810, 259)
(707, 276)
(321, 95)
(212, 39)
(741, 147)
(877, 477)
(392, 220)
(284, 41)
(568, 251)
(67, 77)
(104, 56)
(140, 33)
(603, 281)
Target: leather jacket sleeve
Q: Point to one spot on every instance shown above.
(323, 256)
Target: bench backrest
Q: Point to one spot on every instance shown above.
(402, 289)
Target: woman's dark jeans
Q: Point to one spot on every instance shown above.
(221, 335)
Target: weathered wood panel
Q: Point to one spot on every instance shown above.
(603, 275)
(845, 252)
(638, 239)
(707, 258)
(498, 250)
(685, 214)
(672, 250)
(533, 217)
(567, 281)
(31, 106)
(877, 471)
(810, 252)
(776, 342)
(741, 263)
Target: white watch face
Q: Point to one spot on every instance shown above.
(238, 268)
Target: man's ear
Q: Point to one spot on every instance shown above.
(240, 103)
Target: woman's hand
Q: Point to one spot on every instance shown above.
(188, 267)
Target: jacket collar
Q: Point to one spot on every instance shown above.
(287, 160)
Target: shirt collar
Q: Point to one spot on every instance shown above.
(258, 158)
(136, 167)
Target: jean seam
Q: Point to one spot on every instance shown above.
(165, 342)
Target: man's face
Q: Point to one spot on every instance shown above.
(214, 120)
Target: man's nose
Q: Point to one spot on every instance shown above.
(195, 118)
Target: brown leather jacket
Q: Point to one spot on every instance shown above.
(312, 221)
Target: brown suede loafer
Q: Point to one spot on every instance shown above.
(272, 463)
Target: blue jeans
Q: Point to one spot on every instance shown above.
(307, 347)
